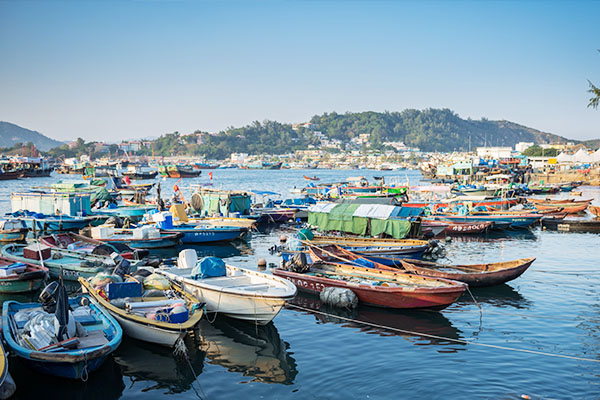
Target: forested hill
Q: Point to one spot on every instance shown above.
(429, 130)
(11, 134)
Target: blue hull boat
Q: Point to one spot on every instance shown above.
(133, 212)
(73, 364)
(206, 234)
(44, 222)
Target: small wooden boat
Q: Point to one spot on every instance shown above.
(205, 233)
(12, 230)
(555, 201)
(128, 237)
(594, 210)
(135, 317)
(16, 277)
(374, 247)
(569, 208)
(73, 263)
(475, 275)
(239, 293)
(103, 337)
(572, 225)
(81, 243)
(314, 178)
(7, 383)
(377, 287)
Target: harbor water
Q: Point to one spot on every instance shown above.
(537, 336)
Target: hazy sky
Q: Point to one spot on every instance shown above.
(109, 70)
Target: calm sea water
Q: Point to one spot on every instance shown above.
(553, 308)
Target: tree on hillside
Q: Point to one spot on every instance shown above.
(595, 100)
(537, 151)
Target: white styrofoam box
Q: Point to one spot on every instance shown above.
(138, 233)
(103, 231)
(153, 233)
(187, 258)
(158, 217)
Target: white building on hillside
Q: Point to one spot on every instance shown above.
(494, 152)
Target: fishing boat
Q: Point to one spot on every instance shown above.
(4, 176)
(475, 275)
(235, 292)
(435, 227)
(572, 225)
(140, 239)
(126, 211)
(150, 319)
(275, 215)
(594, 210)
(377, 287)
(178, 171)
(16, 277)
(47, 223)
(73, 263)
(247, 223)
(462, 228)
(308, 178)
(205, 233)
(12, 230)
(139, 175)
(73, 358)
(501, 221)
(81, 243)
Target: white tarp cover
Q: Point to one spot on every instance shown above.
(379, 211)
(596, 156)
(582, 156)
(564, 157)
(322, 207)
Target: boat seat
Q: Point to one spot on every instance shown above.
(253, 286)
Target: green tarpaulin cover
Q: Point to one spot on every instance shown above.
(341, 218)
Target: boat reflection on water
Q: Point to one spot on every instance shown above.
(499, 296)
(158, 366)
(105, 383)
(252, 350)
(386, 322)
(220, 250)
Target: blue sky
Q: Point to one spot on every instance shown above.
(112, 70)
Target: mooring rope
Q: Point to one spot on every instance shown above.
(462, 341)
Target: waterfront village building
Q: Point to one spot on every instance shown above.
(239, 158)
(495, 153)
(522, 146)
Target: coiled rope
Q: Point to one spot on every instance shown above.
(461, 341)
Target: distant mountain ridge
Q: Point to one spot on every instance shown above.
(11, 134)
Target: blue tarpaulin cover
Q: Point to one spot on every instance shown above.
(209, 267)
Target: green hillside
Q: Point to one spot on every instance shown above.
(11, 134)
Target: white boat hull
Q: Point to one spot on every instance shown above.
(255, 309)
(147, 333)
